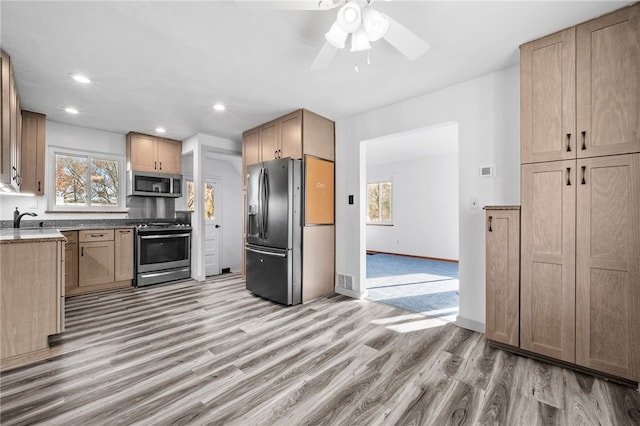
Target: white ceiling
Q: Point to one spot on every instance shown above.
(165, 63)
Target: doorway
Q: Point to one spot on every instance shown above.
(412, 209)
(212, 223)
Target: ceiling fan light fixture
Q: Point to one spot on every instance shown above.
(336, 36)
(349, 17)
(360, 41)
(374, 23)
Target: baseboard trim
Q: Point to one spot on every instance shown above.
(351, 293)
(470, 324)
(411, 255)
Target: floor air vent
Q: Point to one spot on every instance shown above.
(345, 281)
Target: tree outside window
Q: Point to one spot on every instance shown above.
(379, 202)
(86, 181)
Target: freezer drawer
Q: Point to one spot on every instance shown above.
(270, 275)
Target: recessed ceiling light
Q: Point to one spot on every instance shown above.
(219, 107)
(81, 78)
(71, 110)
(160, 130)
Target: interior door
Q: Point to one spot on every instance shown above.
(212, 216)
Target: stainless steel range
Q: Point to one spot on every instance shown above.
(163, 252)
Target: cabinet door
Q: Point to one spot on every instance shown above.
(169, 156)
(71, 267)
(318, 136)
(290, 135)
(608, 265)
(123, 254)
(14, 114)
(142, 152)
(5, 122)
(547, 98)
(608, 84)
(503, 276)
(269, 141)
(547, 298)
(32, 155)
(251, 147)
(95, 265)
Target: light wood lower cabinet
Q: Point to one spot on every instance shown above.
(608, 265)
(104, 260)
(547, 298)
(123, 267)
(71, 261)
(502, 236)
(96, 264)
(32, 277)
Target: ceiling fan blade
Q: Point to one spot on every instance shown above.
(409, 44)
(324, 57)
(289, 4)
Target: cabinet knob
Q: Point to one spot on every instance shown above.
(584, 140)
(584, 169)
(568, 142)
(568, 176)
(490, 220)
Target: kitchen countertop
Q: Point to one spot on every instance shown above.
(96, 227)
(12, 235)
(501, 207)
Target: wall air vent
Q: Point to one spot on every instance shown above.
(345, 281)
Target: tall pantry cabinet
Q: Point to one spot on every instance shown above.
(580, 195)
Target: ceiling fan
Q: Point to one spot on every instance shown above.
(355, 18)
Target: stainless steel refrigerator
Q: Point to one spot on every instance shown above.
(274, 230)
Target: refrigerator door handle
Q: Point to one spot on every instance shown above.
(260, 235)
(265, 213)
(267, 253)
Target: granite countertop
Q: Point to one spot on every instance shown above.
(501, 207)
(96, 227)
(12, 235)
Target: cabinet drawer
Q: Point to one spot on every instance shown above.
(71, 236)
(96, 235)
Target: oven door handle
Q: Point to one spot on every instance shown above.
(268, 253)
(155, 237)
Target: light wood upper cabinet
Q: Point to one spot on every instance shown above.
(608, 84)
(5, 119)
(269, 143)
(547, 98)
(250, 147)
(290, 135)
(146, 153)
(502, 237)
(169, 153)
(123, 267)
(608, 265)
(318, 136)
(33, 152)
(547, 293)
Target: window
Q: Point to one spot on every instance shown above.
(379, 203)
(190, 196)
(86, 182)
(209, 198)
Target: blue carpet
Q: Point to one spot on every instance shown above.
(426, 286)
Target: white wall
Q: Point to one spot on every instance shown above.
(66, 136)
(487, 112)
(425, 208)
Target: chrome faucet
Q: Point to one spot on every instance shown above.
(17, 217)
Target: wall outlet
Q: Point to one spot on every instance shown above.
(475, 204)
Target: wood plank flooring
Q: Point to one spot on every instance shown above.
(212, 353)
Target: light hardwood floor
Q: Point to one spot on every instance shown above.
(212, 353)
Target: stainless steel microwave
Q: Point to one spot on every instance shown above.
(154, 184)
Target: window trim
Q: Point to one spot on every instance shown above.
(379, 222)
(51, 196)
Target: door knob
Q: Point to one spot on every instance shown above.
(217, 226)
